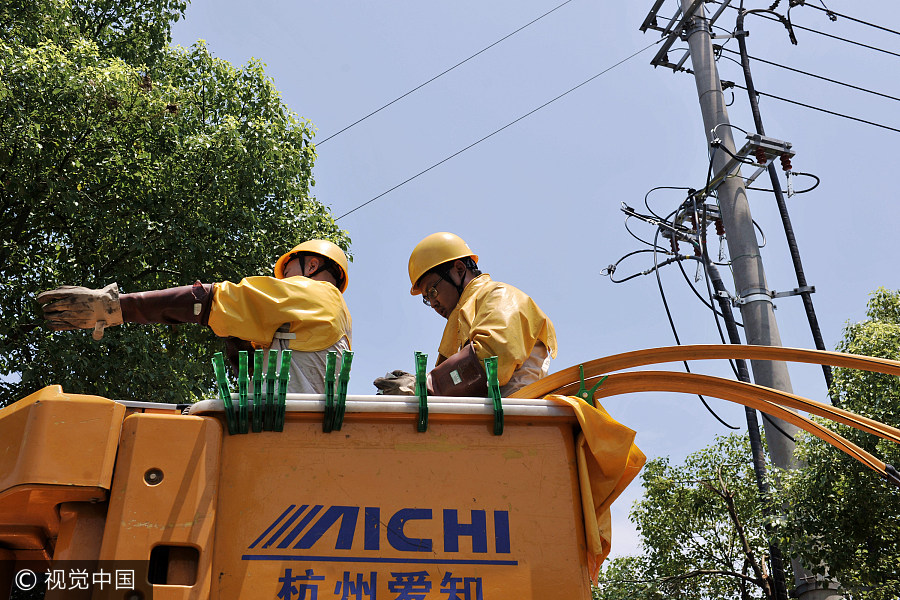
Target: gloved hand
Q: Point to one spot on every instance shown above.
(76, 307)
(396, 383)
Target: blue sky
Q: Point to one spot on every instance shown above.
(539, 201)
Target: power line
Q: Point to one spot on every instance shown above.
(855, 87)
(824, 110)
(496, 131)
(443, 73)
(830, 12)
(816, 31)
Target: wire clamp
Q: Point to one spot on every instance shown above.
(755, 295)
(807, 289)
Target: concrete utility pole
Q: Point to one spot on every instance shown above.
(756, 306)
(757, 310)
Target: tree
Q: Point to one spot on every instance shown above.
(122, 159)
(702, 530)
(840, 513)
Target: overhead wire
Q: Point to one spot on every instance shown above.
(830, 12)
(665, 302)
(822, 33)
(824, 110)
(687, 367)
(704, 252)
(442, 73)
(496, 131)
(813, 75)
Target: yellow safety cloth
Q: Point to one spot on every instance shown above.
(255, 308)
(500, 321)
(608, 461)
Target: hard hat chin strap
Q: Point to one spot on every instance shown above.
(445, 275)
(324, 265)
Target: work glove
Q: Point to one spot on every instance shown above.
(396, 383)
(76, 307)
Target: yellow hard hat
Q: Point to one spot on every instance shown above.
(322, 248)
(434, 250)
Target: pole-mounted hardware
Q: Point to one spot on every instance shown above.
(675, 30)
(422, 391)
(493, 383)
(759, 148)
(757, 295)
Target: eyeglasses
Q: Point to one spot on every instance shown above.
(431, 293)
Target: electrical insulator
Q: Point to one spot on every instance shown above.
(761, 157)
(674, 242)
(785, 162)
(720, 228)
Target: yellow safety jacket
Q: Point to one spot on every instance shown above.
(255, 308)
(500, 321)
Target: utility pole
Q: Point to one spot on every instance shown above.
(751, 289)
(757, 310)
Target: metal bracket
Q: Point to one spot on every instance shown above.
(675, 30)
(768, 295)
(772, 148)
(807, 289)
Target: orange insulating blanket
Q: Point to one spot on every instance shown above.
(608, 461)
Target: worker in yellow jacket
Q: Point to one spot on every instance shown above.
(301, 308)
(484, 318)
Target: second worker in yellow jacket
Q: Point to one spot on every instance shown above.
(484, 318)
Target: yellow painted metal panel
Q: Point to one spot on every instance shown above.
(60, 439)
(380, 508)
(164, 493)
